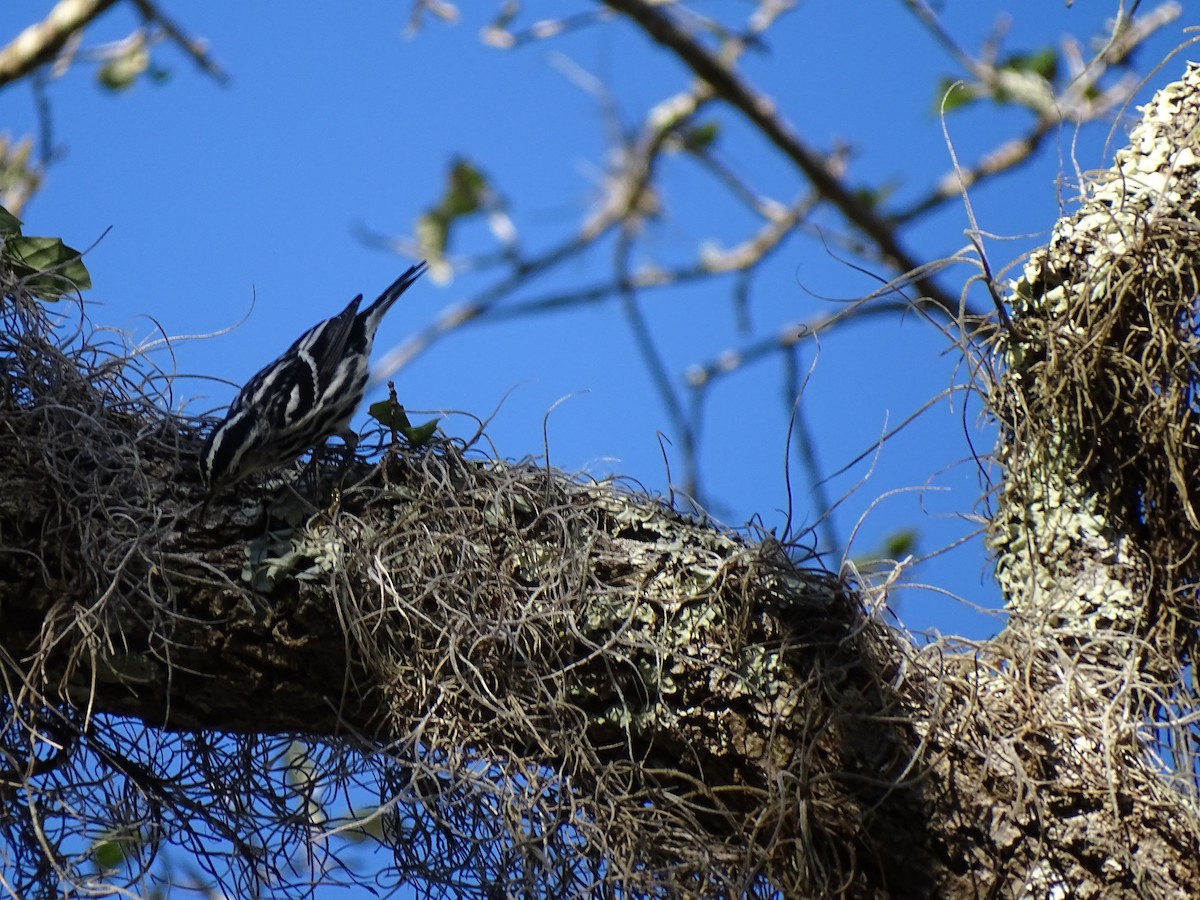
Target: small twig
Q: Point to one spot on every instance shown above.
(658, 369)
(193, 47)
(499, 35)
(1003, 159)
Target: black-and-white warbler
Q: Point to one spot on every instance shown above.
(303, 397)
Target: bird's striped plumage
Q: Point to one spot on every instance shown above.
(309, 393)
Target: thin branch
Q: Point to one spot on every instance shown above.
(625, 196)
(787, 337)
(741, 258)
(38, 43)
(762, 113)
(193, 47)
(1007, 156)
(1081, 100)
(806, 447)
(498, 34)
(657, 367)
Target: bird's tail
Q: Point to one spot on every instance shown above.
(372, 315)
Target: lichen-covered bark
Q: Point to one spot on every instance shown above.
(1097, 394)
(701, 711)
(1096, 531)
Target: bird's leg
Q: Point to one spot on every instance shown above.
(349, 447)
(312, 471)
(347, 453)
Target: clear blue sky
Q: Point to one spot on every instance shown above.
(217, 196)
(214, 197)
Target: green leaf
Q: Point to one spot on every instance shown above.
(48, 266)
(124, 68)
(875, 196)
(896, 546)
(108, 854)
(433, 232)
(9, 224)
(1042, 62)
(269, 559)
(40, 253)
(466, 193)
(419, 435)
(900, 544)
(370, 825)
(392, 415)
(466, 190)
(700, 138)
(389, 415)
(952, 95)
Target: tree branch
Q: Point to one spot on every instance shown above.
(38, 43)
(761, 112)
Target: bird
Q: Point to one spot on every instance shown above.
(301, 398)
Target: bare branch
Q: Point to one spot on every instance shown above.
(38, 43)
(193, 47)
(761, 112)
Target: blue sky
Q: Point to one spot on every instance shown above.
(216, 198)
